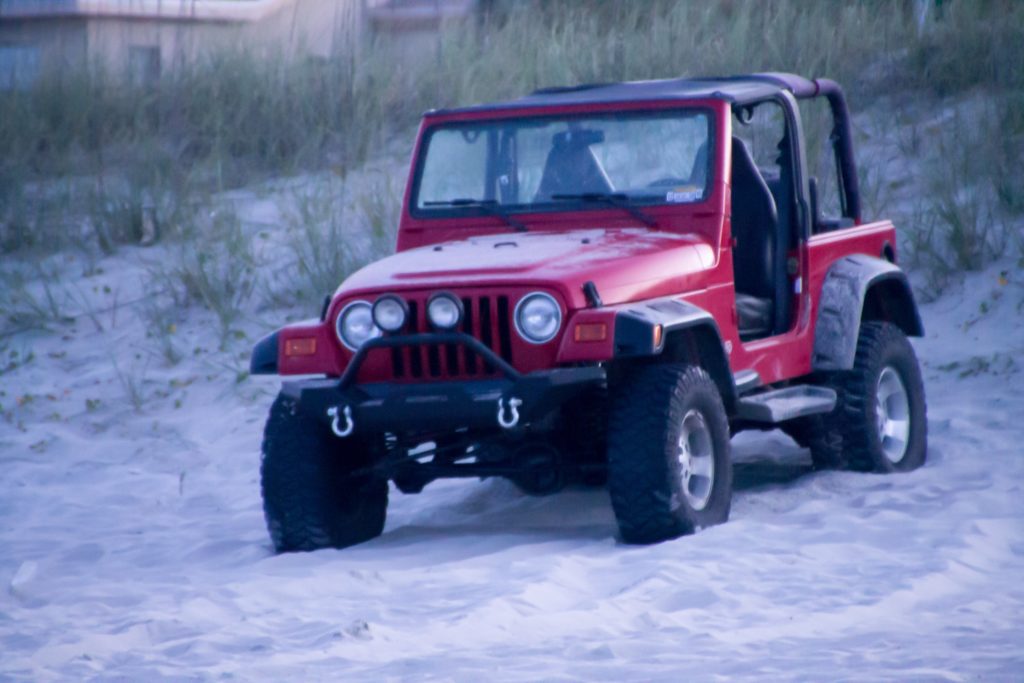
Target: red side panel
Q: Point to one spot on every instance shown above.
(789, 355)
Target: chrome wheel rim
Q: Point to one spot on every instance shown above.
(892, 412)
(695, 453)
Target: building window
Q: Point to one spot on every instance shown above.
(19, 66)
(144, 64)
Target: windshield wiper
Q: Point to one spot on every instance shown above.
(619, 200)
(490, 207)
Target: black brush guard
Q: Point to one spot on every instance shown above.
(512, 400)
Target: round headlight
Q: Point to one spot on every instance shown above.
(538, 317)
(355, 325)
(444, 311)
(390, 312)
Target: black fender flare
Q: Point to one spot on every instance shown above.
(856, 288)
(263, 360)
(680, 321)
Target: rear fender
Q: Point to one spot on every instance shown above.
(859, 288)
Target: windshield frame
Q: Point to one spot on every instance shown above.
(561, 206)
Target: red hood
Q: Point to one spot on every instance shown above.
(626, 264)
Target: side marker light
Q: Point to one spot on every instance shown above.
(590, 332)
(303, 346)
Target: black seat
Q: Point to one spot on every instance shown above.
(755, 316)
(754, 226)
(571, 168)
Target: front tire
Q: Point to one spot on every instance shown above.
(881, 413)
(311, 499)
(669, 469)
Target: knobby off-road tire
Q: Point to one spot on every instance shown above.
(652, 414)
(822, 438)
(310, 498)
(880, 414)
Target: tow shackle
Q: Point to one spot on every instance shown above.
(509, 407)
(346, 415)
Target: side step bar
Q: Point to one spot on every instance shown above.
(786, 404)
(746, 381)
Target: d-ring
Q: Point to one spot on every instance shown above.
(512, 406)
(350, 425)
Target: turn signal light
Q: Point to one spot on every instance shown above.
(305, 346)
(590, 332)
(658, 333)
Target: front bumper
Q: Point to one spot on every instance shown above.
(511, 400)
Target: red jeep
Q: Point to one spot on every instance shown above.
(600, 284)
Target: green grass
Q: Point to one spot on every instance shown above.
(329, 236)
(86, 157)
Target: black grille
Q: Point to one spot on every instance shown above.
(487, 318)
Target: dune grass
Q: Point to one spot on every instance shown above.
(86, 158)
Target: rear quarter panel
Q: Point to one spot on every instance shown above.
(789, 356)
(876, 239)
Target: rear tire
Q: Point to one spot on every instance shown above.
(881, 413)
(669, 470)
(311, 500)
(823, 439)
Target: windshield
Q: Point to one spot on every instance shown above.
(542, 164)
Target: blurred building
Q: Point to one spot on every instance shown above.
(413, 25)
(395, 17)
(144, 39)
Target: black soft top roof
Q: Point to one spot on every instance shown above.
(735, 89)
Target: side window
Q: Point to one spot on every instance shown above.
(762, 129)
(144, 64)
(19, 66)
(821, 161)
